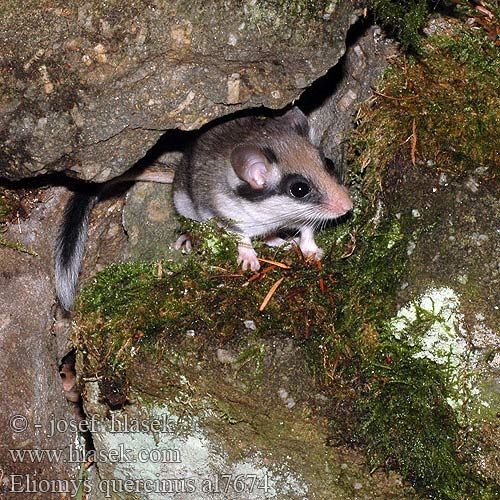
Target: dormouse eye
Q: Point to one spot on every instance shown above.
(299, 189)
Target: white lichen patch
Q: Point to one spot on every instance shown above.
(184, 461)
(434, 325)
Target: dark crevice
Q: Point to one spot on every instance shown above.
(326, 86)
(67, 372)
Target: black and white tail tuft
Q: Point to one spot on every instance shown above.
(70, 246)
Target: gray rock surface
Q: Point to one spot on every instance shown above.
(34, 415)
(454, 274)
(89, 88)
(353, 80)
(150, 222)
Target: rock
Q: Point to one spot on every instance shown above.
(89, 89)
(35, 415)
(150, 222)
(348, 85)
(454, 279)
(207, 430)
(33, 346)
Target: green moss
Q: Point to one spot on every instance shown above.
(342, 324)
(403, 414)
(6, 204)
(16, 246)
(142, 303)
(339, 313)
(401, 405)
(407, 420)
(407, 423)
(449, 99)
(403, 20)
(308, 8)
(402, 402)
(278, 16)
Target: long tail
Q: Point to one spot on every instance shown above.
(70, 246)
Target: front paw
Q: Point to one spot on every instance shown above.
(310, 250)
(247, 257)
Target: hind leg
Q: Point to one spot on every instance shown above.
(274, 240)
(184, 206)
(184, 242)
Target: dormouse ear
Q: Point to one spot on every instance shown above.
(297, 120)
(250, 165)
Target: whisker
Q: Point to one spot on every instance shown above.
(302, 216)
(295, 218)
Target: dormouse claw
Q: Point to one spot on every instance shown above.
(184, 243)
(247, 257)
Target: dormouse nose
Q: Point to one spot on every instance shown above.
(346, 203)
(343, 202)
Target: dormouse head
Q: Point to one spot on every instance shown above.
(281, 164)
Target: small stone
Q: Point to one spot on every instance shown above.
(411, 247)
(233, 88)
(226, 357)
(495, 362)
(283, 393)
(100, 49)
(347, 99)
(472, 184)
(250, 324)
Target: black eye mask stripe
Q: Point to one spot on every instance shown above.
(248, 193)
(245, 190)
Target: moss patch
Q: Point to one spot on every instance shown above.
(337, 312)
(208, 296)
(403, 19)
(423, 122)
(443, 109)
(8, 201)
